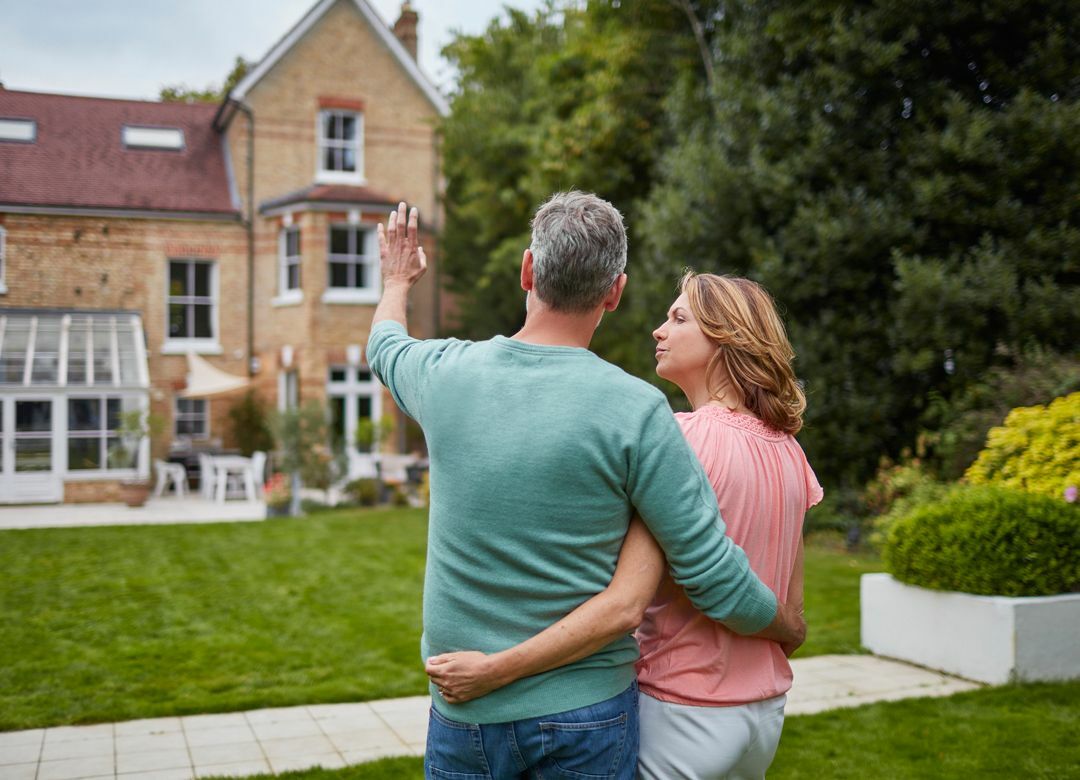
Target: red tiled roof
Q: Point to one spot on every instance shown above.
(79, 160)
(330, 193)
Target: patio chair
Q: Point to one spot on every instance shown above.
(258, 468)
(174, 473)
(206, 476)
(394, 468)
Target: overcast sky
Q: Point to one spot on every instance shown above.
(130, 48)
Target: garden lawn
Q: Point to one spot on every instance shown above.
(832, 597)
(1024, 731)
(109, 624)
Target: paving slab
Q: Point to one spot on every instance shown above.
(157, 511)
(282, 739)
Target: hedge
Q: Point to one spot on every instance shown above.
(988, 540)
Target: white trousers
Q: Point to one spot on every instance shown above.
(708, 743)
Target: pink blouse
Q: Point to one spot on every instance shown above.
(764, 486)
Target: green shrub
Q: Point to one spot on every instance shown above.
(1037, 450)
(398, 496)
(364, 492)
(251, 424)
(424, 490)
(895, 491)
(990, 541)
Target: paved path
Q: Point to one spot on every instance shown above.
(334, 735)
(156, 511)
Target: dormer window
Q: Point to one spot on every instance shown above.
(21, 130)
(341, 147)
(162, 138)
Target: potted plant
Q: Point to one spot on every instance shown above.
(369, 432)
(135, 425)
(277, 494)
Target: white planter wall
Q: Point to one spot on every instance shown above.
(991, 639)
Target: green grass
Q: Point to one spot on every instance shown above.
(1024, 731)
(1027, 731)
(108, 624)
(385, 769)
(832, 597)
(105, 624)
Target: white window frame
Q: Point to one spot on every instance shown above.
(178, 416)
(289, 295)
(3, 260)
(351, 389)
(288, 390)
(201, 345)
(161, 139)
(102, 435)
(333, 176)
(368, 256)
(17, 130)
(138, 401)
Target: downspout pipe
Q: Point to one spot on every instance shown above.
(249, 223)
(222, 119)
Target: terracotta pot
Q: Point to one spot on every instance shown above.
(134, 494)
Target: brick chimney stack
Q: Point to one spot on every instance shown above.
(405, 27)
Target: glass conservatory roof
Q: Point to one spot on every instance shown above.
(43, 349)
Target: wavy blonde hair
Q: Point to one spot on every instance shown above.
(739, 316)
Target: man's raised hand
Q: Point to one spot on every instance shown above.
(402, 258)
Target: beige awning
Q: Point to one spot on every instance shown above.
(203, 380)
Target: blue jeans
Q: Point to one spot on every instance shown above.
(598, 742)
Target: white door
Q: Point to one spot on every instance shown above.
(29, 472)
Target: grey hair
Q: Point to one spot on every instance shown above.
(578, 249)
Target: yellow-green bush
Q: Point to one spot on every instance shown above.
(1037, 450)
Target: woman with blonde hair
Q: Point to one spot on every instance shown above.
(712, 701)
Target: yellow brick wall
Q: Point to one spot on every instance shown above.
(340, 57)
(92, 263)
(114, 263)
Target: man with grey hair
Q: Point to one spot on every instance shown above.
(541, 452)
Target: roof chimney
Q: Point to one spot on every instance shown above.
(405, 28)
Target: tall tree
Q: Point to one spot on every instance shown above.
(181, 93)
(905, 179)
(570, 97)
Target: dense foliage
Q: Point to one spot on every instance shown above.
(302, 435)
(250, 424)
(1037, 450)
(559, 100)
(990, 541)
(956, 427)
(904, 178)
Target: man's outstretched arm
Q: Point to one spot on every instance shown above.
(401, 363)
(402, 263)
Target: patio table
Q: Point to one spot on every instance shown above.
(224, 465)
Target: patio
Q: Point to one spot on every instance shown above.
(167, 510)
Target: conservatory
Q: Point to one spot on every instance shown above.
(67, 379)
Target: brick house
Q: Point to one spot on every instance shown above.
(143, 244)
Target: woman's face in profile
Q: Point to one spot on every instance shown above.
(682, 350)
